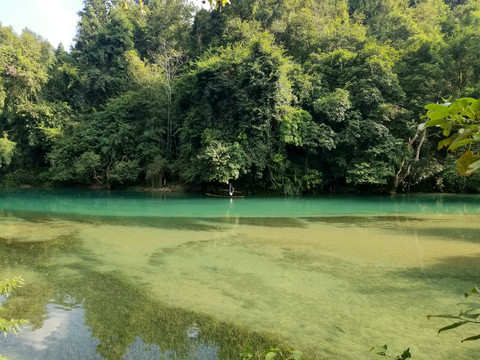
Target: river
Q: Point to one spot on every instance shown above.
(140, 275)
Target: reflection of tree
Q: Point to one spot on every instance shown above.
(36, 254)
(119, 312)
(29, 302)
(116, 312)
(41, 256)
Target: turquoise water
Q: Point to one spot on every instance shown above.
(144, 204)
(139, 275)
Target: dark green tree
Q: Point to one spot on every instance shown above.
(237, 103)
(26, 114)
(104, 34)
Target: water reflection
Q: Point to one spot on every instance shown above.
(116, 319)
(197, 351)
(62, 335)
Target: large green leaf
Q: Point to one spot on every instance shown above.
(457, 144)
(476, 105)
(468, 163)
(475, 166)
(447, 142)
(270, 355)
(437, 121)
(438, 108)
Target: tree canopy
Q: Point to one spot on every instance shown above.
(279, 96)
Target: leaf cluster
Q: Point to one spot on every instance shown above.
(469, 315)
(383, 351)
(271, 354)
(462, 117)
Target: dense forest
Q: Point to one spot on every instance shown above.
(279, 96)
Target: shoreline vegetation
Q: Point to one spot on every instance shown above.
(186, 189)
(161, 324)
(305, 98)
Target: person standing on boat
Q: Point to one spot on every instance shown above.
(230, 189)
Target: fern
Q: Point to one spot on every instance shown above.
(12, 325)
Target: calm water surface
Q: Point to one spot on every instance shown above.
(130, 275)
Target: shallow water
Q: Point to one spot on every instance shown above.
(114, 275)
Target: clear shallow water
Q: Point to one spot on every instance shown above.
(143, 204)
(133, 275)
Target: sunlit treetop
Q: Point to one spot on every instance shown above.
(218, 4)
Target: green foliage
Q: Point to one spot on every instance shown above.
(6, 150)
(86, 167)
(217, 4)
(156, 171)
(369, 173)
(422, 71)
(383, 351)
(124, 172)
(271, 354)
(359, 98)
(295, 127)
(270, 93)
(462, 117)
(222, 163)
(334, 105)
(167, 24)
(467, 316)
(233, 135)
(6, 288)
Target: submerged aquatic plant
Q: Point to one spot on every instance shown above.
(469, 315)
(271, 354)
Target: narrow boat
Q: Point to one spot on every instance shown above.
(225, 196)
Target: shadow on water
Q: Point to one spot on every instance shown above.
(175, 223)
(260, 221)
(395, 223)
(366, 221)
(39, 254)
(169, 223)
(450, 233)
(461, 272)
